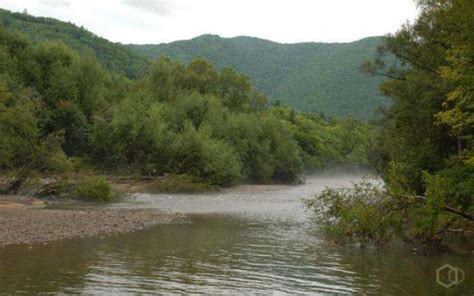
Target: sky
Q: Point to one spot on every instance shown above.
(284, 21)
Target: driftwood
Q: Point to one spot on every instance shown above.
(462, 231)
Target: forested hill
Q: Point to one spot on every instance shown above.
(311, 77)
(113, 56)
(318, 77)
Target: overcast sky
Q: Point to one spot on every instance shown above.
(286, 21)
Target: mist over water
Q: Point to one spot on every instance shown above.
(242, 240)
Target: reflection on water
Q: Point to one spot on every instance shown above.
(245, 240)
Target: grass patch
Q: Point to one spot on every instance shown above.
(86, 188)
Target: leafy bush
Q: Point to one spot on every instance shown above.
(460, 185)
(95, 189)
(361, 213)
(205, 158)
(220, 164)
(371, 214)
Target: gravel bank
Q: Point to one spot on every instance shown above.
(23, 223)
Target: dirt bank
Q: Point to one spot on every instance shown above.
(25, 221)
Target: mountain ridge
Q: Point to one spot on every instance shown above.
(217, 36)
(308, 76)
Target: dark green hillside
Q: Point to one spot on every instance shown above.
(313, 77)
(113, 56)
(318, 77)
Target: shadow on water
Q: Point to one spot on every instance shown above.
(248, 239)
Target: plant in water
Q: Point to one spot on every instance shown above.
(361, 213)
(369, 213)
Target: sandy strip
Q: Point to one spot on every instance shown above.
(25, 224)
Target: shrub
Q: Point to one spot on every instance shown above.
(220, 163)
(93, 189)
(207, 159)
(460, 179)
(367, 213)
(361, 213)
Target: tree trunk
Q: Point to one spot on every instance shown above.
(17, 181)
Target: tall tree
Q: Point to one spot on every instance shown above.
(431, 85)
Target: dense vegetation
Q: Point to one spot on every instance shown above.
(312, 77)
(113, 56)
(424, 149)
(60, 110)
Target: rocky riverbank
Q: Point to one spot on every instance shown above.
(25, 221)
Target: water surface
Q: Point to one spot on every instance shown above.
(245, 240)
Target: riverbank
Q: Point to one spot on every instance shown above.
(24, 220)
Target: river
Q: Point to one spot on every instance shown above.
(243, 240)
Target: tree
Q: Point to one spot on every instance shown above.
(424, 145)
(22, 149)
(422, 89)
(235, 90)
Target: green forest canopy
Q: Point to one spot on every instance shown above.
(60, 108)
(113, 56)
(313, 77)
(309, 77)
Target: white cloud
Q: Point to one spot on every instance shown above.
(154, 6)
(288, 21)
(55, 3)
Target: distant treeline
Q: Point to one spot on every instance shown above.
(111, 55)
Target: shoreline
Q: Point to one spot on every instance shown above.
(25, 220)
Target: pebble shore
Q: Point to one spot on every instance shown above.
(26, 221)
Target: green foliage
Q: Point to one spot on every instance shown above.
(459, 189)
(23, 150)
(95, 189)
(362, 213)
(344, 142)
(265, 145)
(424, 149)
(134, 135)
(368, 213)
(114, 57)
(80, 187)
(428, 123)
(208, 159)
(180, 119)
(310, 77)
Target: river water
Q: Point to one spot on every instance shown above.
(244, 240)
